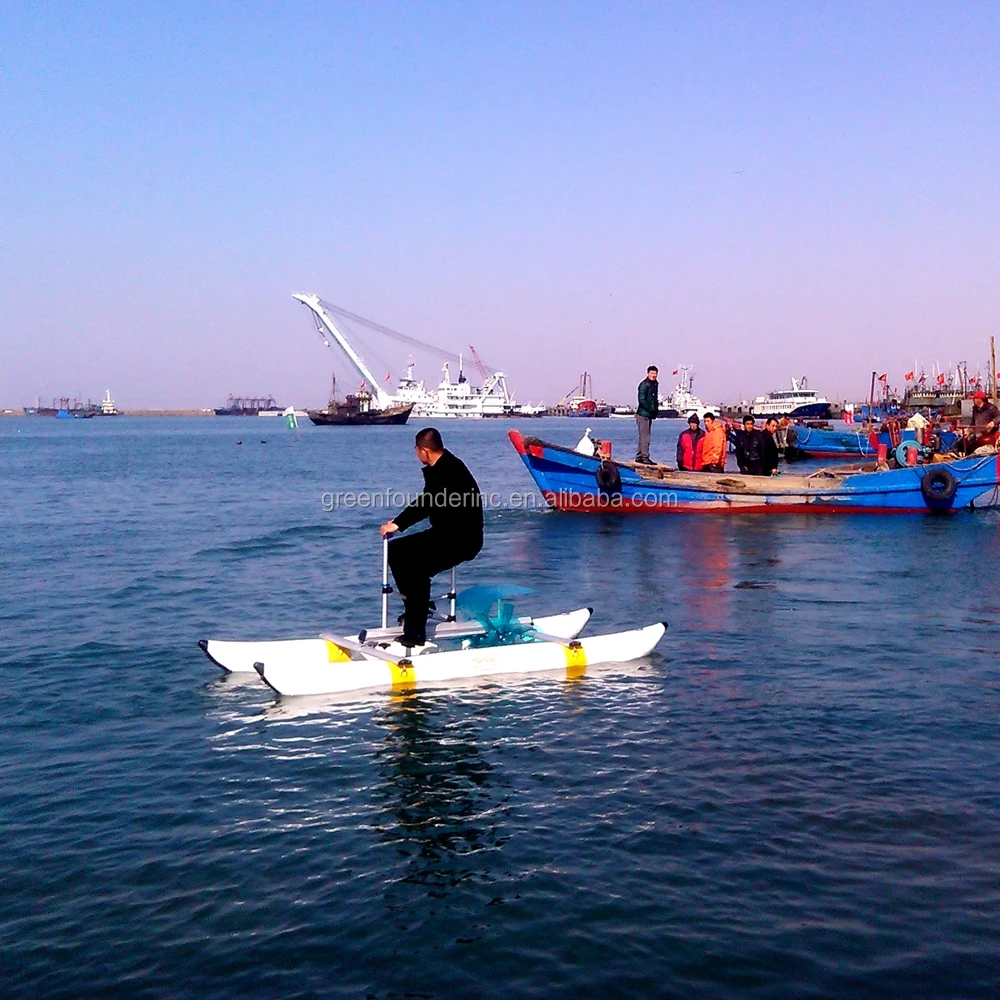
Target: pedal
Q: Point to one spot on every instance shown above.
(431, 616)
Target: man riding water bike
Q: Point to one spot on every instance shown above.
(452, 501)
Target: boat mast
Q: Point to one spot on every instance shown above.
(314, 303)
(993, 368)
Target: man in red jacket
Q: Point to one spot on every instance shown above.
(689, 446)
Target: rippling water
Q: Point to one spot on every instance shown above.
(798, 794)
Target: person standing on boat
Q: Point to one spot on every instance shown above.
(918, 423)
(769, 447)
(689, 446)
(713, 448)
(647, 410)
(749, 443)
(985, 421)
(793, 453)
(451, 499)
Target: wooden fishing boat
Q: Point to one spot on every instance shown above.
(358, 410)
(574, 482)
(352, 415)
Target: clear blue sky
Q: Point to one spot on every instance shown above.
(761, 190)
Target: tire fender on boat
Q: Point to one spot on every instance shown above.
(609, 481)
(938, 486)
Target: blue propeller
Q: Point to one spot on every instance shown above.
(501, 628)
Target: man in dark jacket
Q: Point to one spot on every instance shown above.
(769, 448)
(749, 448)
(452, 501)
(689, 446)
(646, 412)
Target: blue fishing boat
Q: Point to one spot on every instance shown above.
(571, 481)
(855, 441)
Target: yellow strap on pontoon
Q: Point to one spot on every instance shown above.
(334, 654)
(403, 674)
(576, 661)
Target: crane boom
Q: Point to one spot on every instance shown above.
(316, 305)
(484, 373)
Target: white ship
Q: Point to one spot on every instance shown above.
(458, 399)
(799, 401)
(108, 408)
(448, 400)
(682, 401)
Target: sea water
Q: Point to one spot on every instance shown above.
(797, 794)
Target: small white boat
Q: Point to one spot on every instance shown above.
(480, 647)
(240, 657)
(393, 671)
(333, 664)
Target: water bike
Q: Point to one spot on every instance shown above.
(479, 637)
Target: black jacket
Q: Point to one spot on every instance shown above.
(452, 501)
(749, 451)
(769, 453)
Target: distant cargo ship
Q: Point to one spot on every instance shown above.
(62, 407)
(248, 406)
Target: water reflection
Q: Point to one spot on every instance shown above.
(758, 546)
(706, 563)
(758, 551)
(433, 799)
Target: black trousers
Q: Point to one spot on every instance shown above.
(414, 559)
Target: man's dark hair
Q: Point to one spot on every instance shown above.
(429, 438)
(748, 416)
(652, 368)
(709, 415)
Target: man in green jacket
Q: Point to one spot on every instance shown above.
(646, 412)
